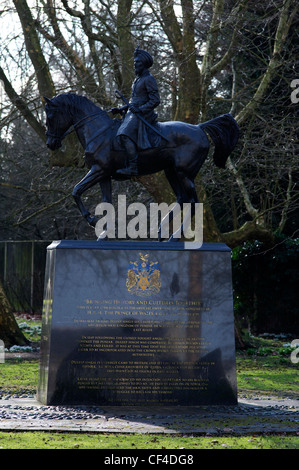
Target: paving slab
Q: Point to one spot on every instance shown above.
(253, 415)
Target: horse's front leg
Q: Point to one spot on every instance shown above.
(106, 198)
(89, 180)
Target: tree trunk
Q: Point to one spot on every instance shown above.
(183, 44)
(286, 16)
(10, 332)
(248, 231)
(189, 76)
(45, 83)
(159, 188)
(21, 105)
(125, 44)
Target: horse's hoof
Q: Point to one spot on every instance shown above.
(103, 237)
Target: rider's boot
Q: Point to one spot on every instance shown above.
(132, 169)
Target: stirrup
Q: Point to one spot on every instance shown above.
(130, 171)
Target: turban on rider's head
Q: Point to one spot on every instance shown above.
(144, 56)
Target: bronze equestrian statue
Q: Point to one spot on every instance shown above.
(177, 148)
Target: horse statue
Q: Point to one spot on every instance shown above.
(180, 153)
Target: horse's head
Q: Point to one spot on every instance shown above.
(57, 123)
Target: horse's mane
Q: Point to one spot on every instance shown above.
(76, 101)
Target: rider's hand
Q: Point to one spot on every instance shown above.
(115, 111)
(134, 109)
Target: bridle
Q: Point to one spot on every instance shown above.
(73, 126)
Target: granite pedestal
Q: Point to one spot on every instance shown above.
(137, 323)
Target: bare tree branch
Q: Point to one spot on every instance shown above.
(21, 105)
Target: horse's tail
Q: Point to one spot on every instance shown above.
(224, 131)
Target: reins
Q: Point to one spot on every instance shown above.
(74, 126)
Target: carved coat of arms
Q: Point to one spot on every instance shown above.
(143, 276)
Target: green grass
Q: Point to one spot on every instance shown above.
(19, 376)
(279, 382)
(265, 368)
(62, 440)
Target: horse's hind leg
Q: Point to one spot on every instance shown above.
(184, 189)
(163, 230)
(93, 177)
(190, 197)
(106, 190)
(176, 186)
(189, 211)
(188, 187)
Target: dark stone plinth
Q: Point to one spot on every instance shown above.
(137, 323)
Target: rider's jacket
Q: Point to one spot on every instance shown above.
(146, 96)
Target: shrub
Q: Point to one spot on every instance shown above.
(265, 285)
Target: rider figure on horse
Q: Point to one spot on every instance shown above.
(134, 135)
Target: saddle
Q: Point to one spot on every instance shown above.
(153, 138)
(108, 136)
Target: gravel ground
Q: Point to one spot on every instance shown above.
(253, 414)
